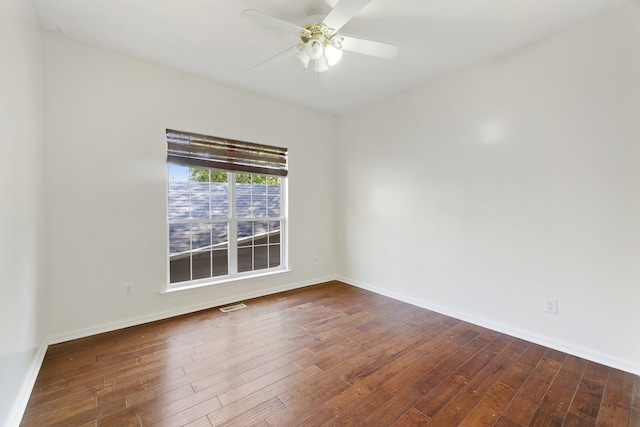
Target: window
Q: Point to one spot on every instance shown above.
(225, 208)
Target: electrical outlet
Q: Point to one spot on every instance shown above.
(551, 305)
(128, 289)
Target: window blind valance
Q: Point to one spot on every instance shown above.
(195, 150)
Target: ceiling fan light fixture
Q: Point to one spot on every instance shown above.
(333, 55)
(321, 64)
(303, 57)
(321, 44)
(315, 47)
(336, 41)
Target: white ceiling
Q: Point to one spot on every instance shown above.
(210, 38)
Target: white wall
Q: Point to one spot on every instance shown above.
(21, 202)
(105, 191)
(483, 192)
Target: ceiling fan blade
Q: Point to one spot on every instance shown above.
(369, 47)
(271, 21)
(278, 58)
(343, 12)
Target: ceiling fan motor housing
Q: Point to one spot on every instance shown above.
(322, 33)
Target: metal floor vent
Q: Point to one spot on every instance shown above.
(233, 308)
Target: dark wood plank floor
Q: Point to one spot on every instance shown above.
(327, 355)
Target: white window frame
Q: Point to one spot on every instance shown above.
(232, 242)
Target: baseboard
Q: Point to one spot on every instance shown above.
(584, 353)
(134, 321)
(22, 399)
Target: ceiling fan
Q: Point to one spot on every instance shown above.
(319, 40)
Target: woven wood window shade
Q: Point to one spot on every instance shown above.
(202, 151)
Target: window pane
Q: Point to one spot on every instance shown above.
(219, 234)
(261, 181)
(274, 256)
(209, 193)
(243, 200)
(260, 261)
(177, 173)
(219, 194)
(179, 238)
(245, 233)
(200, 237)
(201, 248)
(274, 232)
(274, 208)
(220, 263)
(259, 206)
(260, 229)
(178, 191)
(201, 264)
(243, 178)
(255, 242)
(252, 233)
(180, 256)
(179, 186)
(245, 259)
(198, 251)
(180, 268)
(259, 197)
(199, 198)
(255, 197)
(218, 176)
(199, 175)
(199, 187)
(178, 205)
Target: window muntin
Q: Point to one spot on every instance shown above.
(204, 211)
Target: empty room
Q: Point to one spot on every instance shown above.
(332, 213)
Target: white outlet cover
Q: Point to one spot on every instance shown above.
(551, 305)
(128, 289)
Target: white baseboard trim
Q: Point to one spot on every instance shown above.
(22, 399)
(578, 351)
(134, 321)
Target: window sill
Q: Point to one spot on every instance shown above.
(197, 287)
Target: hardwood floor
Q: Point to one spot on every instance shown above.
(327, 355)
